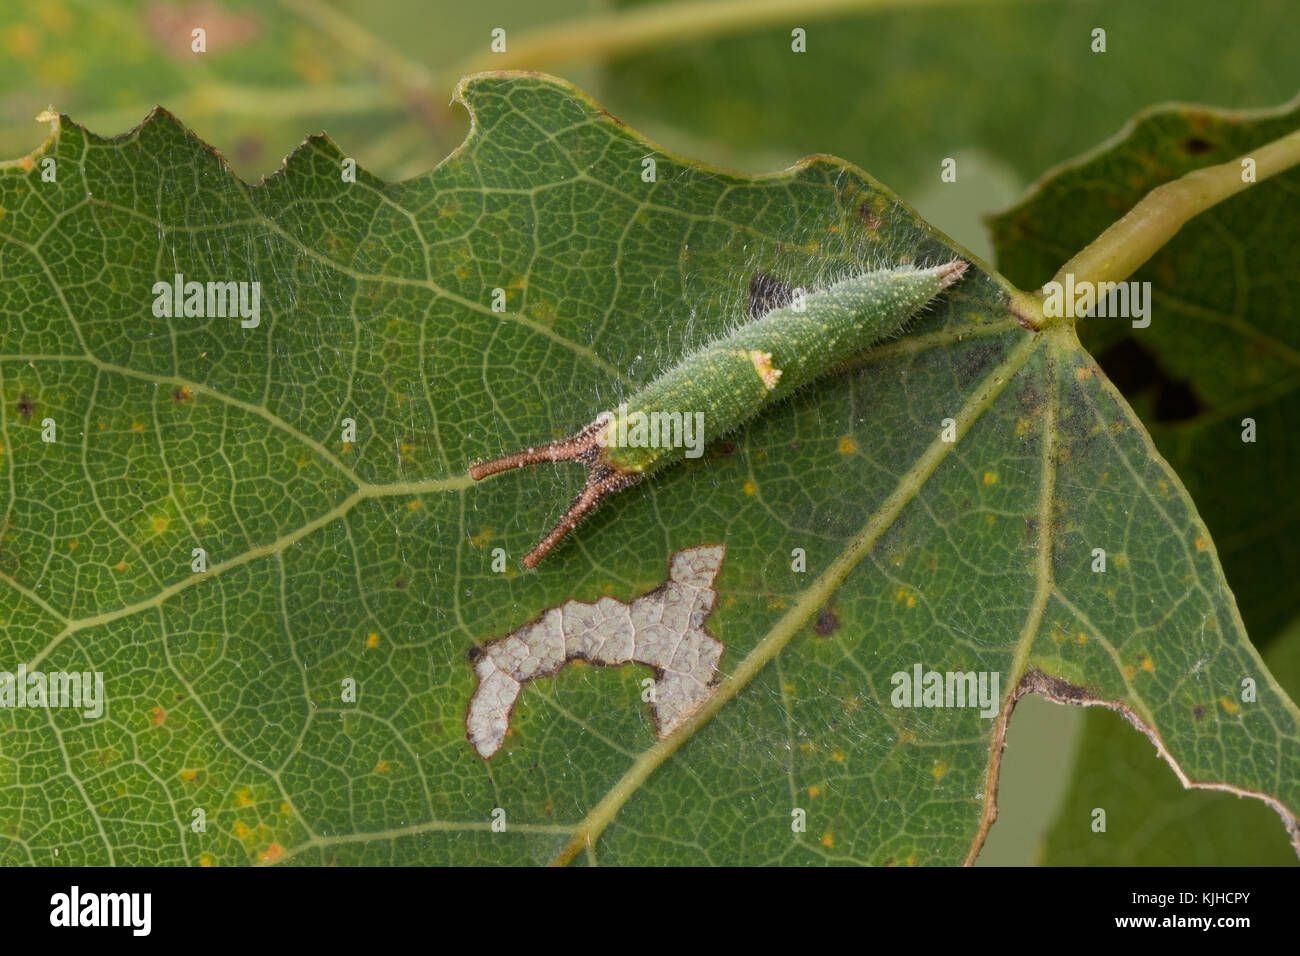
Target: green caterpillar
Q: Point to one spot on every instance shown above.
(729, 381)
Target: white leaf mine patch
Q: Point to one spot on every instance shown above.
(663, 629)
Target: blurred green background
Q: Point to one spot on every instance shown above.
(1008, 89)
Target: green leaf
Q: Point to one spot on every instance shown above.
(371, 560)
(1223, 344)
(1151, 820)
(1222, 348)
(892, 87)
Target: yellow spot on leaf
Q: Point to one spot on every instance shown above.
(749, 488)
(1230, 706)
(828, 839)
(245, 798)
(189, 776)
(159, 525)
(990, 477)
(137, 427)
(205, 860)
(837, 756)
(159, 716)
(1081, 637)
(272, 851)
(1130, 671)
(847, 446)
(482, 538)
(414, 504)
(72, 545)
(120, 566)
(382, 767)
(241, 829)
(1200, 543)
(939, 770)
(814, 791)
(1148, 665)
(372, 639)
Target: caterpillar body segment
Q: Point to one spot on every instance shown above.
(731, 380)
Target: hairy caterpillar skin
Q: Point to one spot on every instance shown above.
(733, 379)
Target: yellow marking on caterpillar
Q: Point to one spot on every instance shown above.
(763, 366)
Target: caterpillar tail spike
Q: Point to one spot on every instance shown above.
(603, 480)
(727, 382)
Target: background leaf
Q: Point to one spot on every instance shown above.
(1222, 347)
(892, 87)
(1151, 820)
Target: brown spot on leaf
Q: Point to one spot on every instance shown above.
(26, 406)
(1194, 145)
(1198, 711)
(1053, 688)
(767, 292)
(828, 622)
(868, 216)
